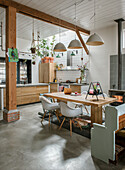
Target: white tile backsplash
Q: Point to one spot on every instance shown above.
(68, 75)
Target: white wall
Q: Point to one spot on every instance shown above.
(100, 57)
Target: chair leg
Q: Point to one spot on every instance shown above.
(57, 117)
(62, 123)
(78, 124)
(86, 110)
(49, 118)
(43, 117)
(70, 127)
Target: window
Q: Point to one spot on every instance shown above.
(2, 71)
(123, 38)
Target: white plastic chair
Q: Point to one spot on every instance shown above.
(50, 107)
(71, 113)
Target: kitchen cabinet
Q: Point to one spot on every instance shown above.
(54, 87)
(46, 72)
(25, 94)
(79, 88)
(76, 87)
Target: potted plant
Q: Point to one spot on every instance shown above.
(33, 59)
(43, 51)
(51, 49)
(33, 62)
(33, 47)
(33, 50)
(82, 68)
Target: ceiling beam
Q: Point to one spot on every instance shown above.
(42, 16)
(82, 42)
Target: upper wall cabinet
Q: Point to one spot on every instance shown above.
(46, 72)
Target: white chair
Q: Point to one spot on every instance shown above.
(103, 137)
(71, 113)
(86, 110)
(50, 107)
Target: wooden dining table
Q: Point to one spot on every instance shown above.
(96, 105)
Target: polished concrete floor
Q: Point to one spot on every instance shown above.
(25, 145)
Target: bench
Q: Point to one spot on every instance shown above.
(103, 136)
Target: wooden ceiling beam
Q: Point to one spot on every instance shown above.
(41, 16)
(82, 42)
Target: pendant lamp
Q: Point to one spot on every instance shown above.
(75, 44)
(94, 39)
(59, 47)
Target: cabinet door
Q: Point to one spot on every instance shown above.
(51, 72)
(41, 73)
(46, 72)
(41, 89)
(75, 88)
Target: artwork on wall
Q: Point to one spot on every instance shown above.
(13, 55)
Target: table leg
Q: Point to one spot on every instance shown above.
(96, 114)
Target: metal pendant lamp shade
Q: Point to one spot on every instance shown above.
(75, 44)
(95, 40)
(60, 47)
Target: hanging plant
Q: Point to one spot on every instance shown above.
(42, 49)
(52, 46)
(33, 62)
(33, 50)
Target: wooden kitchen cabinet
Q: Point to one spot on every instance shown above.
(79, 88)
(29, 94)
(75, 88)
(54, 87)
(46, 72)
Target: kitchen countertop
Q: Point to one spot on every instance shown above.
(116, 90)
(27, 85)
(75, 84)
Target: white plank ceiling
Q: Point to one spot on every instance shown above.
(106, 12)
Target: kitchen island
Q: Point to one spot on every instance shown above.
(76, 87)
(28, 93)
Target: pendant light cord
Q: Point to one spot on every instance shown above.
(75, 20)
(33, 31)
(59, 27)
(94, 14)
(77, 3)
